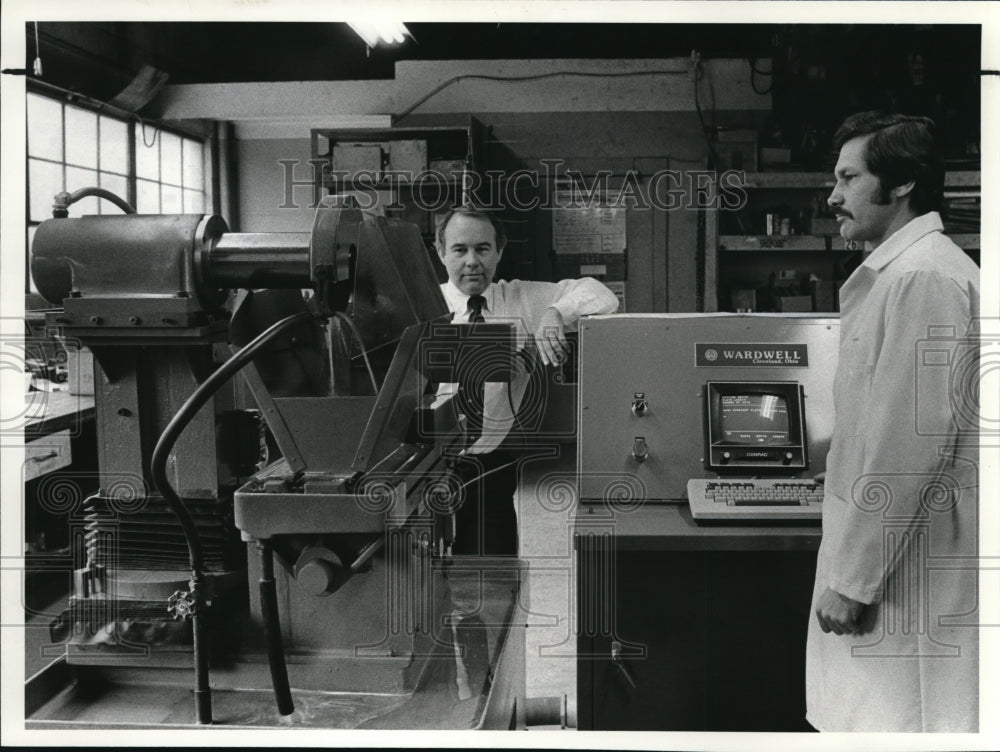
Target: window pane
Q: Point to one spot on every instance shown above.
(81, 137)
(44, 128)
(31, 240)
(118, 185)
(170, 158)
(147, 197)
(114, 145)
(194, 167)
(45, 180)
(77, 179)
(171, 198)
(147, 158)
(194, 202)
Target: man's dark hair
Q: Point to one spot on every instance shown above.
(476, 213)
(902, 148)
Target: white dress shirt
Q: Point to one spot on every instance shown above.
(523, 304)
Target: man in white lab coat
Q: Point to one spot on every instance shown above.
(893, 644)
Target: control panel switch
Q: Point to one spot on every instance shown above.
(640, 450)
(639, 404)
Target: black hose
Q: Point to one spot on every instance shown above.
(60, 209)
(272, 630)
(202, 688)
(158, 471)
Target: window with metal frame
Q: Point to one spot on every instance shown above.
(70, 147)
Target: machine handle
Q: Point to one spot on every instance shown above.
(616, 659)
(43, 457)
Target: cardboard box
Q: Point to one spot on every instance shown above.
(407, 157)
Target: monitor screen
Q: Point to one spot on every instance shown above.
(755, 426)
(754, 418)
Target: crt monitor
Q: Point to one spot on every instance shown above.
(755, 427)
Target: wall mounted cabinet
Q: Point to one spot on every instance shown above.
(407, 173)
(417, 173)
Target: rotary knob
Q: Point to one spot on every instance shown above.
(640, 450)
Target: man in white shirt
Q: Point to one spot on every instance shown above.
(893, 645)
(470, 244)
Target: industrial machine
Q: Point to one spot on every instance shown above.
(301, 541)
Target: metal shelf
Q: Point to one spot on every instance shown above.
(768, 243)
(956, 179)
(747, 260)
(814, 243)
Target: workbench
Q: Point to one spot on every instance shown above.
(59, 471)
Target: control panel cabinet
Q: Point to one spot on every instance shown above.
(685, 623)
(647, 384)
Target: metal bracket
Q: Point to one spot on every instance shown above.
(329, 262)
(616, 659)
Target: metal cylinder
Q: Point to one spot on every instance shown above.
(550, 711)
(126, 255)
(319, 571)
(259, 259)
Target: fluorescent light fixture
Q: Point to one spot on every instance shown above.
(386, 32)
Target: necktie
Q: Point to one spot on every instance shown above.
(475, 309)
(471, 395)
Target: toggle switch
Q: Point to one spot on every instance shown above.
(640, 450)
(639, 404)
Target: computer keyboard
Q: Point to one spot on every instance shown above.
(722, 499)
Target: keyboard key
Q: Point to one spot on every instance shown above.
(767, 502)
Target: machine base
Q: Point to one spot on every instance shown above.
(483, 690)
